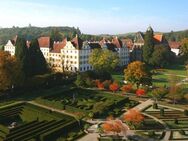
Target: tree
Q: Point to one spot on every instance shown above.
(114, 87)
(137, 73)
(161, 56)
(176, 90)
(37, 60)
(55, 34)
(148, 47)
(159, 93)
(10, 71)
(22, 54)
(114, 126)
(184, 47)
(134, 117)
(103, 60)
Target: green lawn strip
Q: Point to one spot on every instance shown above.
(181, 124)
(11, 105)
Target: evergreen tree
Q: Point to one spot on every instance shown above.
(148, 45)
(21, 53)
(55, 34)
(37, 60)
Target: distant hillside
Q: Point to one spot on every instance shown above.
(34, 32)
(31, 32)
(176, 36)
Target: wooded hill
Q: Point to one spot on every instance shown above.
(31, 32)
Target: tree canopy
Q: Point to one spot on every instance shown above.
(38, 63)
(22, 54)
(10, 71)
(137, 73)
(184, 47)
(103, 60)
(161, 56)
(148, 47)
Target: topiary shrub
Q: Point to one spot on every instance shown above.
(182, 132)
(186, 112)
(151, 133)
(162, 111)
(176, 121)
(155, 106)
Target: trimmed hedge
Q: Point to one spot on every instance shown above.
(54, 134)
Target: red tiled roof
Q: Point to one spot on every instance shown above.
(77, 42)
(103, 41)
(44, 42)
(57, 46)
(14, 40)
(158, 37)
(128, 43)
(174, 45)
(117, 42)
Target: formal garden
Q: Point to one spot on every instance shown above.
(88, 103)
(25, 121)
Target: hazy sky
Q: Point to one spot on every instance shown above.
(97, 16)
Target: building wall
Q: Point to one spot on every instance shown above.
(10, 48)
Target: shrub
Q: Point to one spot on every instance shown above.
(114, 87)
(162, 111)
(140, 92)
(151, 133)
(106, 84)
(182, 132)
(155, 106)
(176, 121)
(126, 88)
(186, 112)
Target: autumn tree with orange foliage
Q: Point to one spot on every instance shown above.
(114, 126)
(11, 74)
(114, 87)
(137, 73)
(134, 117)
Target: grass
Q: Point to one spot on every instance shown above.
(163, 75)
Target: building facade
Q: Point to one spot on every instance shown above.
(74, 55)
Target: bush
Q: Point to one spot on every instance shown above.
(176, 121)
(151, 133)
(162, 111)
(186, 112)
(140, 92)
(155, 106)
(182, 132)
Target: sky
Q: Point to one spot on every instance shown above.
(97, 16)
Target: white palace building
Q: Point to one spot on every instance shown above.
(73, 55)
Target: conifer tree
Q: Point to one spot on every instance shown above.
(21, 53)
(148, 45)
(37, 60)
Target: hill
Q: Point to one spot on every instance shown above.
(34, 32)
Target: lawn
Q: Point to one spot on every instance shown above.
(84, 101)
(161, 78)
(34, 123)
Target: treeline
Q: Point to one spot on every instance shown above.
(176, 36)
(32, 32)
